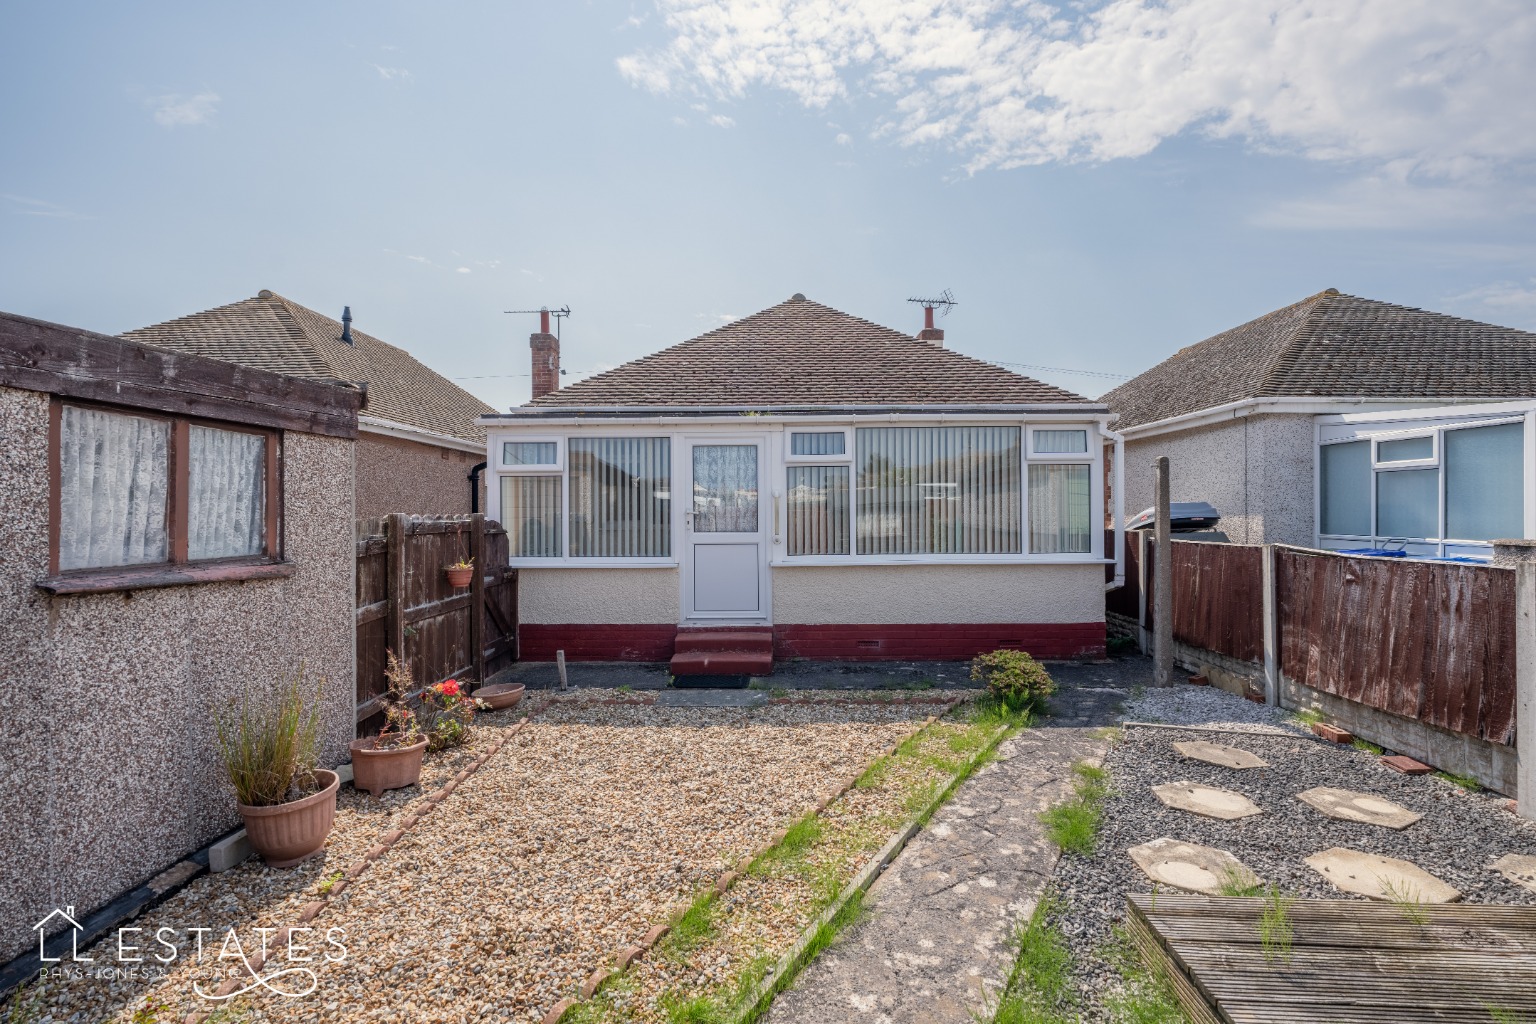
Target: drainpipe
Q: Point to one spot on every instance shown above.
(474, 488)
(1118, 484)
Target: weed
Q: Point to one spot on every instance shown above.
(778, 692)
(1113, 733)
(25, 1007)
(623, 688)
(990, 712)
(695, 926)
(329, 883)
(916, 802)
(1235, 882)
(1074, 824)
(1042, 968)
(1407, 900)
(874, 774)
(702, 1009)
(1466, 782)
(967, 741)
(1308, 717)
(1121, 646)
(149, 1011)
(1275, 931)
(1367, 746)
(1499, 1015)
(797, 841)
(828, 882)
(1146, 996)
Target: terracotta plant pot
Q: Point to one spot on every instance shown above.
(500, 696)
(390, 768)
(460, 578)
(291, 833)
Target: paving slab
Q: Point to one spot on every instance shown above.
(1380, 878)
(1190, 866)
(934, 946)
(1220, 755)
(711, 698)
(1366, 808)
(1517, 868)
(1206, 801)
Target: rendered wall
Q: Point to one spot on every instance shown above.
(395, 475)
(1257, 471)
(108, 756)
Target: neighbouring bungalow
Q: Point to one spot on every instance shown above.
(809, 485)
(1345, 423)
(417, 447)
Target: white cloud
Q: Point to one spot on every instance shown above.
(1429, 88)
(29, 207)
(721, 121)
(176, 110)
(462, 270)
(1503, 295)
(392, 74)
(843, 139)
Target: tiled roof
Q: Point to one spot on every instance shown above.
(801, 353)
(278, 334)
(1335, 345)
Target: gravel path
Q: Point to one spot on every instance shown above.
(1182, 704)
(1459, 835)
(566, 846)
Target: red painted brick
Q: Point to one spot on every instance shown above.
(655, 935)
(559, 1010)
(594, 982)
(311, 911)
(338, 888)
(1332, 733)
(629, 956)
(375, 852)
(391, 837)
(357, 869)
(1405, 764)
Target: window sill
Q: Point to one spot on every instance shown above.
(844, 560)
(147, 577)
(592, 563)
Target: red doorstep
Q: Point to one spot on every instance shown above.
(1405, 764)
(722, 663)
(691, 640)
(1332, 733)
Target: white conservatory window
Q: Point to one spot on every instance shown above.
(938, 490)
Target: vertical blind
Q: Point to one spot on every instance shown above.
(226, 493)
(818, 443)
(530, 509)
(113, 473)
(725, 488)
(1060, 509)
(528, 453)
(1061, 442)
(938, 490)
(621, 497)
(817, 502)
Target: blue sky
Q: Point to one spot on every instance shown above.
(1098, 184)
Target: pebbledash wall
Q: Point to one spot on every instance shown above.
(855, 612)
(398, 475)
(1257, 471)
(108, 756)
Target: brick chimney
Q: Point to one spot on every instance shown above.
(930, 333)
(546, 358)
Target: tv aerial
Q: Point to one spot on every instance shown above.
(544, 314)
(944, 302)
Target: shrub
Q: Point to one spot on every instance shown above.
(402, 726)
(1015, 679)
(269, 754)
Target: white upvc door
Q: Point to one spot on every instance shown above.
(725, 532)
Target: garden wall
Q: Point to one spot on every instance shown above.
(107, 755)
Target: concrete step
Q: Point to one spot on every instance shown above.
(722, 663)
(701, 640)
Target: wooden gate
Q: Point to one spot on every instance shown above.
(405, 604)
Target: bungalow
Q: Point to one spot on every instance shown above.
(1341, 422)
(417, 444)
(844, 491)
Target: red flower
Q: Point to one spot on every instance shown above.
(450, 688)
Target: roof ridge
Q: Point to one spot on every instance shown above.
(1285, 360)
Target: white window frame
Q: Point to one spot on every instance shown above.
(1064, 457)
(520, 469)
(845, 459)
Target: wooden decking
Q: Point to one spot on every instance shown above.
(1350, 960)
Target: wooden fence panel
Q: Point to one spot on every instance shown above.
(1124, 600)
(404, 601)
(1432, 641)
(1218, 597)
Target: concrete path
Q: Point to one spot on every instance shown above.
(934, 943)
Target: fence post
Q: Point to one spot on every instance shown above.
(1271, 612)
(1525, 689)
(1162, 628)
(477, 596)
(394, 583)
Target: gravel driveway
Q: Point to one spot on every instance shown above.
(566, 846)
(1461, 832)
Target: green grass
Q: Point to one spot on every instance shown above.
(1408, 903)
(989, 711)
(1237, 883)
(1121, 646)
(798, 840)
(1146, 997)
(1367, 746)
(1275, 931)
(623, 688)
(695, 927)
(1040, 988)
(1466, 782)
(1500, 1015)
(1308, 717)
(1074, 824)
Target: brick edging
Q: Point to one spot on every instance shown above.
(602, 975)
(386, 842)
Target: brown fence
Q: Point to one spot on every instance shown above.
(1124, 600)
(404, 602)
(1218, 597)
(1432, 641)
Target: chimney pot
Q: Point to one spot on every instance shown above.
(544, 321)
(931, 334)
(346, 324)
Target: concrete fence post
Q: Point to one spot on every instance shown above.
(1162, 628)
(1271, 612)
(1525, 689)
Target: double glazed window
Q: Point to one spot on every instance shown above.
(1447, 484)
(611, 496)
(139, 489)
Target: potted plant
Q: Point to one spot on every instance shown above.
(461, 573)
(392, 759)
(446, 714)
(269, 755)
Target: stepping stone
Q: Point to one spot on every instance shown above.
(1381, 878)
(1367, 808)
(1207, 801)
(1191, 867)
(1518, 869)
(1221, 756)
